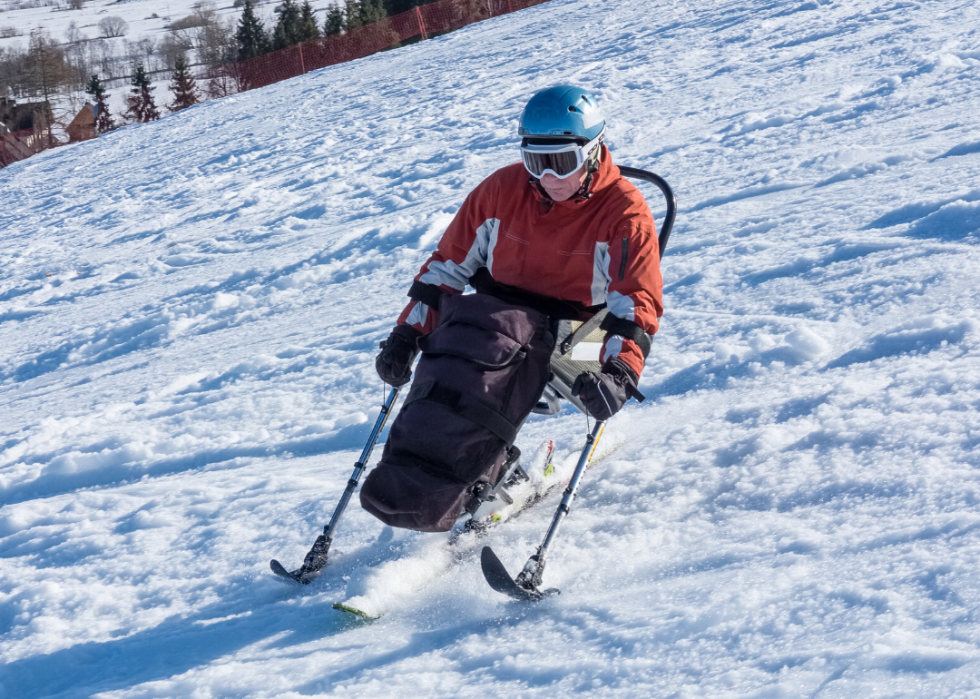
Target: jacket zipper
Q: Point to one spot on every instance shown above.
(622, 261)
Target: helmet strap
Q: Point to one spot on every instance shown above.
(592, 162)
(583, 192)
(591, 167)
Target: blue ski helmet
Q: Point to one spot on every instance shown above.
(562, 112)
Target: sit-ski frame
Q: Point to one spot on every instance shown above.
(526, 585)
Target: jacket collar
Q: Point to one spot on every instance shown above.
(606, 175)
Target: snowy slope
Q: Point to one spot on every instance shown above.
(189, 311)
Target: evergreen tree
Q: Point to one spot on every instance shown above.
(250, 36)
(352, 14)
(142, 108)
(183, 86)
(334, 23)
(372, 11)
(103, 119)
(307, 23)
(394, 7)
(287, 30)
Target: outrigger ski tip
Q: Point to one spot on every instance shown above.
(296, 576)
(281, 571)
(500, 580)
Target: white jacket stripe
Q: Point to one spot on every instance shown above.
(600, 274)
(621, 306)
(418, 314)
(480, 254)
(614, 345)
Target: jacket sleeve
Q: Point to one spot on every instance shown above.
(462, 250)
(635, 287)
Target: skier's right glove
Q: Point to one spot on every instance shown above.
(606, 392)
(394, 362)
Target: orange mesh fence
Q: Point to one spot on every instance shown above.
(423, 21)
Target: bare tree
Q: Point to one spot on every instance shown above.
(76, 4)
(14, 72)
(73, 34)
(216, 44)
(48, 72)
(112, 27)
(206, 10)
(469, 11)
(101, 56)
(222, 82)
(172, 47)
(142, 51)
(203, 31)
(77, 64)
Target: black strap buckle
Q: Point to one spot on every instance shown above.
(470, 407)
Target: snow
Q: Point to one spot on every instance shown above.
(190, 309)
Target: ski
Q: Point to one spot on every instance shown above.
(355, 611)
(466, 540)
(435, 557)
(526, 586)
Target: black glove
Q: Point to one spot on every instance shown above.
(394, 362)
(605, 393)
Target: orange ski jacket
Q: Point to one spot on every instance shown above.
(594, 249)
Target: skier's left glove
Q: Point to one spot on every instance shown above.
(394, 362)
(606, 392)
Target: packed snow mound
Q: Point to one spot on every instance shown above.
(190, 309)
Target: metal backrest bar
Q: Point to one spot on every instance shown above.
(652, 178)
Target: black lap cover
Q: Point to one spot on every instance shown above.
(482, 370)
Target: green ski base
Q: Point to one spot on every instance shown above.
(356, 612)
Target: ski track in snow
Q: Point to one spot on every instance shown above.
(190, 308)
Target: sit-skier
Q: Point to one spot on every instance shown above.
(560, 244)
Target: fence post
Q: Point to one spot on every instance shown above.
(509, 8)
(302, 66)
(418, 13)
(3, 157)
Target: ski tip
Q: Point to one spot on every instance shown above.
(355, 611)
(280, 570)
(491, 565)
(495, 573)
(499, 579)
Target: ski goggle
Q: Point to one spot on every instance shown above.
(559, 159)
